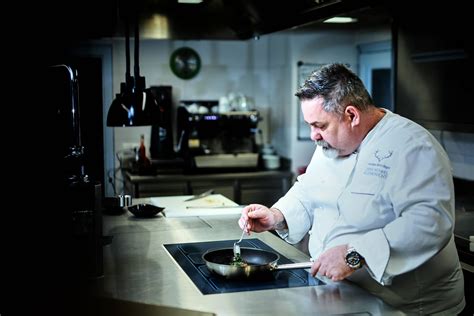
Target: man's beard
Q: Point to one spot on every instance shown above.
(328, 150)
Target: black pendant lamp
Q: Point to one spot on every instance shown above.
(134, 105)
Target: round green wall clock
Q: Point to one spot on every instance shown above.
(185, 62)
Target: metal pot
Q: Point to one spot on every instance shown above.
(259, 263)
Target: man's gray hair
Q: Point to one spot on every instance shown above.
(338, 86)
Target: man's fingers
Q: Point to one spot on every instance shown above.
(315, 268)
(242, 223)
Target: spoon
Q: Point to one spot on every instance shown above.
(236, 244)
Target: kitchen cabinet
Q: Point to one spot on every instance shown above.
(463, 229)
(430, 49)
(264, 187)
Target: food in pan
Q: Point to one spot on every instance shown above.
(238, 261)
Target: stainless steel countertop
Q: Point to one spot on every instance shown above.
(138, 268)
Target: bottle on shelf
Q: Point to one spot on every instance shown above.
(144, 162)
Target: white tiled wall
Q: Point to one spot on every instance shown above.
(265, 70)
(460, 149)
(227, 66)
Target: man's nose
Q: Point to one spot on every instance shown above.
(315, 135)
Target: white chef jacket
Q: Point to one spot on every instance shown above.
(393, 200)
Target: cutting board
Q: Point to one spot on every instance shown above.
(214, 204)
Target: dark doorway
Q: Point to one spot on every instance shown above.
(381, 87)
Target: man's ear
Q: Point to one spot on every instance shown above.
(353, 114)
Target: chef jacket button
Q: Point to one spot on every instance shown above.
(310, 232)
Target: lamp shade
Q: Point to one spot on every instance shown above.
(134, 108)
(134, 105)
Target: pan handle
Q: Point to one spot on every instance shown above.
(297, 265)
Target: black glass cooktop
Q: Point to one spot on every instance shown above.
(188, 256)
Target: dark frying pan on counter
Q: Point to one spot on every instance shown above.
(257, 263)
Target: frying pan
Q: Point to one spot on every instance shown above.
(259, 262)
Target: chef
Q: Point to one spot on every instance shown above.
(377, 200)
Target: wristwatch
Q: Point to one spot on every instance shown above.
(353, 259)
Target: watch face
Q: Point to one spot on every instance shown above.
(185, 63)
(353, 260)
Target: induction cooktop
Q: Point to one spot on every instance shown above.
(189, 257)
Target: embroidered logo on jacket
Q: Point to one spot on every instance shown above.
(379, 169)
(380, 155)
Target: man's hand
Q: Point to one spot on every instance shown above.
(260, 218)
(332, 264)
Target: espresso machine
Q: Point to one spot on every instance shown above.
(216, 141)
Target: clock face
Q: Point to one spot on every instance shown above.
(185, 63)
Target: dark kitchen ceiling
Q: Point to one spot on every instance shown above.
(243, 19)
(210, 19)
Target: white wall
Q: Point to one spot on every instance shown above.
(227, 66)
(265, 70)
